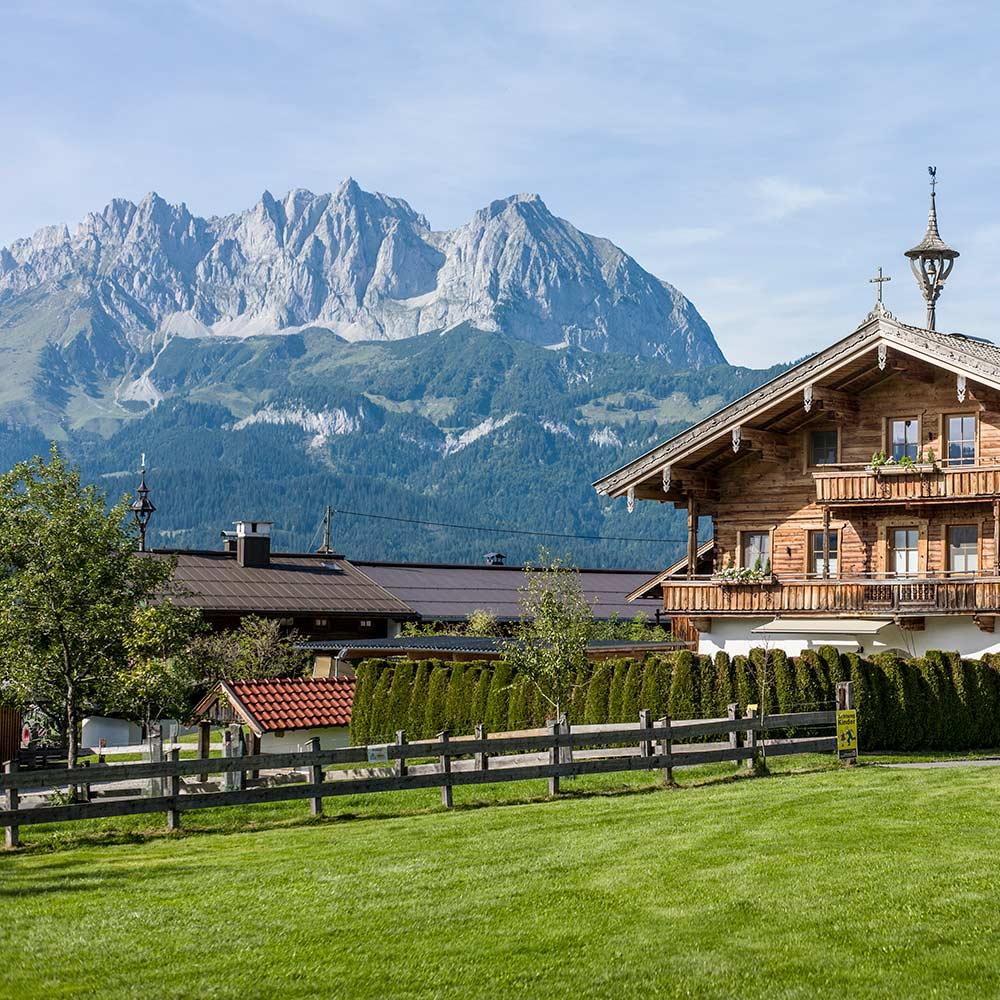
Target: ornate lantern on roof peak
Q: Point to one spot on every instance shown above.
(142, 506)
(931, 260)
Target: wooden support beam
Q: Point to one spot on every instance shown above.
(916, 624)
(692, 553)
(772, 447)
(985, 623)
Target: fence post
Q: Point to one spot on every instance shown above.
(667, 750)
(204, 745)
(645, 722)
(732, 712)
(445, 762)
(12, 837)
(401, 763)
(482, 759)
(315, 778)
(173, 813)
(85, 787)
(554, 757)
(752, 738)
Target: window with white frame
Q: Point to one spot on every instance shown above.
(960, 434)
(904, 438)
(756, 547)
(904, 551)
(963, 548)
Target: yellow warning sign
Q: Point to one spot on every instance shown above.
(847, 734)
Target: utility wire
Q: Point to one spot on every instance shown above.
(498, 530)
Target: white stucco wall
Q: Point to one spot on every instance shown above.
(296, 739)
(952, 634)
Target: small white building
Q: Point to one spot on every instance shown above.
(282, 714)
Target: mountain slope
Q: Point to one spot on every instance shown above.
(85, 316)
(471, 427)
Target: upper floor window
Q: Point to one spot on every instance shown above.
(756, 545)
(817, 564)
(823, 447)
(963, 548)
(904, 553)
(960, 439)
(904, 437)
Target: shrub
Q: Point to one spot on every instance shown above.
(436, 717)
(379, 721)
(683, 696)
(496, 702)
(578, 702)
(813, 688)
(519, 704)
(481, 695)
(724, 687)
(596, 706)
(416, 714)
(744, 683)
(364, 683)
(630, 698)
(456, 701)
(652, 690)
(400, 692)
(785, 693)
(836, 667)
(616, 691)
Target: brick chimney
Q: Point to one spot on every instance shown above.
(253, 543)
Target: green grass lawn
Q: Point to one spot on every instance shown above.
(867, 882)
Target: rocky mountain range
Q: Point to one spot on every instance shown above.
(334, 349)
(87, 313)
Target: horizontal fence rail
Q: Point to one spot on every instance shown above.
(559, 751)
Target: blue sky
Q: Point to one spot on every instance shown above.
(765, 158)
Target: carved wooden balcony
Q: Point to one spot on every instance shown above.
(889, 485)
(862, 595)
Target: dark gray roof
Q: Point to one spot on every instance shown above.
(452, 592)
(291, 584)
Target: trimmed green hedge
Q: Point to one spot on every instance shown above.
(935, 702)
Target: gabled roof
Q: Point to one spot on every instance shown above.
(452, 592)
(282, 704)
(291, 584)
(976, 359)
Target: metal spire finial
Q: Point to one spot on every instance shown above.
(931, 260)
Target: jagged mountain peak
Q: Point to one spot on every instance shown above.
(362, 264)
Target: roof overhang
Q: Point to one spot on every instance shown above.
(957, 354)
(823, 626)
(225, 689)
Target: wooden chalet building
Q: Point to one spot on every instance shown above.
(855, 498)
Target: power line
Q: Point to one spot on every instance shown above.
(496, 530)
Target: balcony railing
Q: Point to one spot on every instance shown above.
(864, 595)
(898, 484)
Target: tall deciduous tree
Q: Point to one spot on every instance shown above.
(550, 643)
(70, 586)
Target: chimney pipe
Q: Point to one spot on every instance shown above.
(253, 543)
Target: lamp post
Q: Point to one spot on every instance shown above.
(931, 260)
(142, 507)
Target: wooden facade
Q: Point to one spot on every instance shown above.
(794, 470)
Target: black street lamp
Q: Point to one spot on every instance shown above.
(142, 507)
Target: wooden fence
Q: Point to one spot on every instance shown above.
(553, 753)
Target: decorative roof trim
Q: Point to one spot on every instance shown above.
(947, 351)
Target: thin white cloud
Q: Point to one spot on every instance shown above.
(778, 197)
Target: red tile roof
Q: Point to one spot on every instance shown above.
(293, 702)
